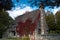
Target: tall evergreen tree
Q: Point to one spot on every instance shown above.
(57, 15)
(5, 19)
(5, 22)
(45, 3)
(51, 23)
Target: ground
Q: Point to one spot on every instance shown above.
(26, 38)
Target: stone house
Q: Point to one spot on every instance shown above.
(11, 32)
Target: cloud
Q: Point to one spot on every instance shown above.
(18, 11)
(56, 9)
(52, 10)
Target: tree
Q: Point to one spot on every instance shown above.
(44, 3)
(5, 19)
(5, 22)
(6, 4)
(53, 22)
(50, 20)
(58, 22)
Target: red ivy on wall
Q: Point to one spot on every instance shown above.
(27, 27)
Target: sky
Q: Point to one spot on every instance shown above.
(22, 6)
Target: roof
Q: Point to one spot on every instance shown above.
(27, 14)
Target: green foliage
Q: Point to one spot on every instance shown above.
(51, 23)
(5, 22)
(50, 3)
(58, 22)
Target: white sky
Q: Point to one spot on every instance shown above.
(18, 11)
(56, 9)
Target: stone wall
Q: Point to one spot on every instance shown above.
(48, 37)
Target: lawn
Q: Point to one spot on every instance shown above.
(26, 38)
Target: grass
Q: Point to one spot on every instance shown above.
(11, 39)
(24, 38)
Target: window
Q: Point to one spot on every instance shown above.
(39, 31)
